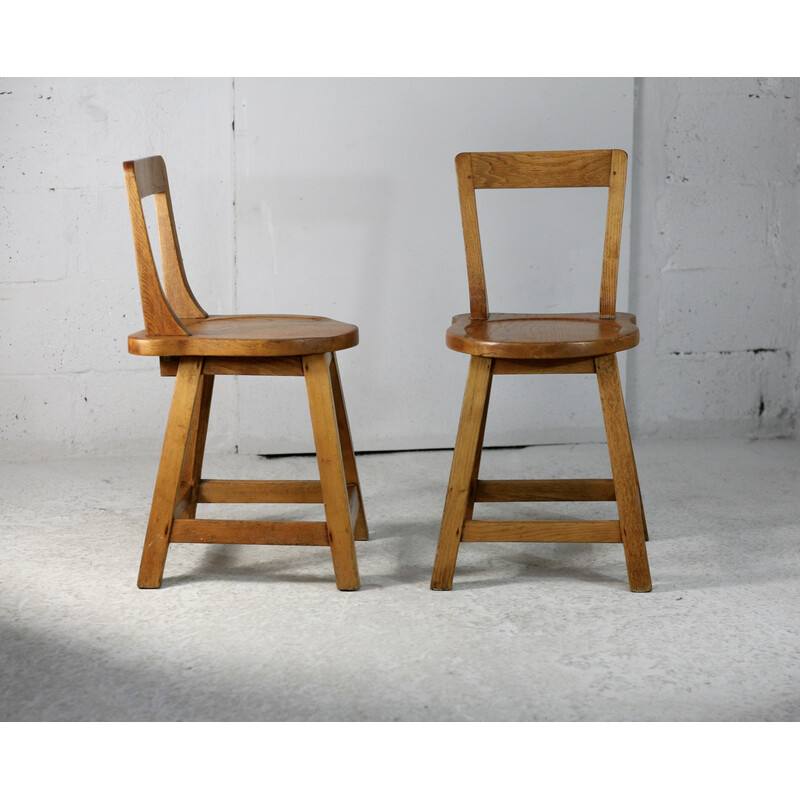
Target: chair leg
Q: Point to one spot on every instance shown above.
(360, 532)
(463, 472)
(331, 469)
(195, 449)
(473, 483)
(623, 468)
(644, 518)
(173, 454)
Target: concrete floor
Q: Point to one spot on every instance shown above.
(530, 632)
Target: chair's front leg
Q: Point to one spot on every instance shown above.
(184, 398)
(331, 469)
(623, 468)
(464, 470)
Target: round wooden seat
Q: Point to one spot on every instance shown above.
(542, 336)
(249, 335)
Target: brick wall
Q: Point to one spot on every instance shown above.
(715, 252)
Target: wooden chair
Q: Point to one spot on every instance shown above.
(194, 347)
(514, 344)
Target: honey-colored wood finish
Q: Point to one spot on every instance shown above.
(331, 469)
(173, 455)
(542, 337)
(545, 344)
(623, 467)
(195, 447)
(249, 336)
(360, 532)
(195, 347)
(542, 531)
(463, 471)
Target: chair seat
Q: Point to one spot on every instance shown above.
(250, 335)
(545, 336)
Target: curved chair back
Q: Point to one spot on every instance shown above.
(163, 308)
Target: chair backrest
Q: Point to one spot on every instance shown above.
(556, 169)
(163, 308)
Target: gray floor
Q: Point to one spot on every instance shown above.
(530, 632)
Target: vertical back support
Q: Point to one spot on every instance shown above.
(560, 169)
(616, 201)
(163, 312)
(478, 302)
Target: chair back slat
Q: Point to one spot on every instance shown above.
(541, 170)
(163, 308)
(536, 170)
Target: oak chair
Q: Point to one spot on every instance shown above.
(515, 344)
(195, 347)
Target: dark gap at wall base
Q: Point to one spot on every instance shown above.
(389, 452)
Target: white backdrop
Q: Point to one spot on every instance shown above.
(328, 196)
(346, 206)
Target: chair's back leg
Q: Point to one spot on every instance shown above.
(644, 518)
(623, 468)
(195, 448)
(184, 398)
(360, 532)
(473, 483)
(463, 472)
(331, 469)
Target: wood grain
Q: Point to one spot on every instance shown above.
(524, 344)
(196, 445)
(179, 294)
(253, 491)
(542, 169)
(165, 494)
(194, 348)
(478, 303)
(537, 337)
(360, 529)
(626, 480)
(613, 237)
(253, 335)
(543, 366)
(222, 365)
(568, 490)
(331, 470)
(224, 531)
(462, 471)
(159, 317)
(599, 531)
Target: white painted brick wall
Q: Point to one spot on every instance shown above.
(345, 188)
(68, 291)
(715, 252)
(714, 206)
